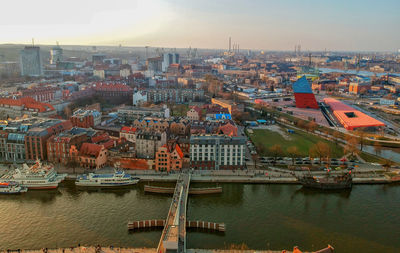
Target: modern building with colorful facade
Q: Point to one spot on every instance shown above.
(303, 94)
(350, 118)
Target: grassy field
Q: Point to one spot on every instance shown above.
(371, 158)
(302, 140)
(179, 110)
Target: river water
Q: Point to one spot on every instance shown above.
(355, 72)
(365, 219)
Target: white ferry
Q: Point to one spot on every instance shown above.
(12, 188)
(119, 178)
(37, 176)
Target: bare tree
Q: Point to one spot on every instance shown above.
(351, 146)
(321, 150)
(276, 150)
(293, 153)
(377, 148)
(361, 137)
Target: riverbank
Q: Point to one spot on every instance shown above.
(83, 249)
(270, 176)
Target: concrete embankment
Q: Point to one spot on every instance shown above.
(83, 249)
(135, 250)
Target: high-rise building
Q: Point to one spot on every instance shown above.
(168, 59)
(31, 63)
(56, 54)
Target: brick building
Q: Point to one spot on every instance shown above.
(169, 157)
(36, 137)
(85, 118)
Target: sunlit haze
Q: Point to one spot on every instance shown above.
(316, 25)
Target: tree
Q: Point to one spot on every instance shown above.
(386, 164)
(301, 124)
(351, 145)
(276, 150)
(293, 153)
(311, 126)
(260, 149)
(321, 150)
(361, 137)
(377, 148)
(336, 137)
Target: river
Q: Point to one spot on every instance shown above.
(365, 219)
(355, 72)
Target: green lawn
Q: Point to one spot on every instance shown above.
(302, 140)
(371, 158)
(179, 110)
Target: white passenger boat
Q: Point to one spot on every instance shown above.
(37, 176)
(119, 178)
(12, 188)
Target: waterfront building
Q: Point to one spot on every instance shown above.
(217, 152)
(148, 142)
(31, 63)
(92, 156)
(12, 145)
(85, 118)
(59, 146)
(169, 157)
(37, 135)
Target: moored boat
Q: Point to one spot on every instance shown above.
(118, 178)
(328, 182)
(37, 176)
(12, 188)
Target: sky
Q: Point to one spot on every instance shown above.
(350, 25)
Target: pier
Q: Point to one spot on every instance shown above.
(173, 237)
(136, 225)
(169, 190)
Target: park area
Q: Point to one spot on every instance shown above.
(269, 136)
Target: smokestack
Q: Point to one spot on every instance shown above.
(229, 44)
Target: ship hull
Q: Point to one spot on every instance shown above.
(105, 185)
(327, 186)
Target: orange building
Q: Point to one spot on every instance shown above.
(357, 88)
(169, 157)
(350, 118)
(92, 156)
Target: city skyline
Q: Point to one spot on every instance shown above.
(264, 25)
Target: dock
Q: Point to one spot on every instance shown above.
(170, 190)
(137, 225)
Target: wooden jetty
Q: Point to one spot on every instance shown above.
(132, 225)
(194, 191)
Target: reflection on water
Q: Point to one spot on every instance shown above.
(261, 216)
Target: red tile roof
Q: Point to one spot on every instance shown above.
(126, 129)
(90, 149)
(228, 129)
(27, 102)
